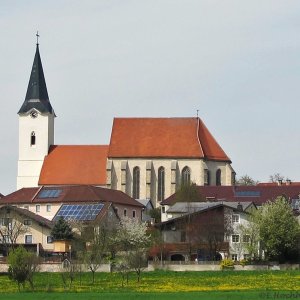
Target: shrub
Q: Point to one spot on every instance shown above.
(227, 264)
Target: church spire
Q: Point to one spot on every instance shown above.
(37, 94)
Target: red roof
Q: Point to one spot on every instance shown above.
(163, 137)
(257, 194)
(75, 165)
(69, 194)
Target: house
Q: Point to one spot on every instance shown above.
(147, 158)
(47, 201)
(206, 231)
(148, 206)
(257, 194)
(20, 226)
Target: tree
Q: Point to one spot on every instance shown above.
(134, 241)
(276, 177)
(62, 230)
(246, 180)
(22, 266)
(11, 228)
(278, 229)
(188, 193)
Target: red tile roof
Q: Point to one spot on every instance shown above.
(233, 193)
(82, 164)
(70, 194)
(163, 137)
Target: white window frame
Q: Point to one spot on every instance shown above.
(246, 238)
(235, 238)
(234, 257)
(38, 208)
(28, 221)
(27, 235)
(49, 239)
(48, 207)
(235, 218)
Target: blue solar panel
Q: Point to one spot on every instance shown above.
(82, 212)
(53, 193)
(247, 193)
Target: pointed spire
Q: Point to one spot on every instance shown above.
(37, 94)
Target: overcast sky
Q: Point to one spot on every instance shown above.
(238, 62)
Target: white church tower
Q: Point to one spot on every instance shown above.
(36, 127)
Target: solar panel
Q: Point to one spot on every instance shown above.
(247, 193)
(53, 193)
(82, 212)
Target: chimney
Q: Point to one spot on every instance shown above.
(288, 182)
(279, 182)
(239, 207)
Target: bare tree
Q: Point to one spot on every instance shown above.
(11, 228)
(246, 180)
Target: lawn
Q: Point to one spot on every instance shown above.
(161, 285)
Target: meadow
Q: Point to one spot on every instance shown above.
(160, 285)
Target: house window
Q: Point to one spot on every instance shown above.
(5, 221)
(163, 209)
(125, 212)
(27, 222)
(133, 213)
(6, 239)
(37, 208)
(49, 239)
(235, 238)
(234, 257)
(218, 177)
(28, 239)
(116, 210)
(32, 139)
(136, 183)
(206, 177)
(48, 207)
(161, 184)
(185, 176)
(246, 238)
(26, 207)
(235, 218)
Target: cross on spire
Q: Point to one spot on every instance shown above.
(37, 37)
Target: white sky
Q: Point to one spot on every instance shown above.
(236, 61)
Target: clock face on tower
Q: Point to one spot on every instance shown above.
(33, 114)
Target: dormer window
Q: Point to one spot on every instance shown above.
(32, 139)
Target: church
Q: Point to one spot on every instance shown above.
(146, 158)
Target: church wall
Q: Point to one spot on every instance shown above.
(226, 172)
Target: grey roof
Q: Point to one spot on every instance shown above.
(37, 94)
(186, 207)
(145, 202)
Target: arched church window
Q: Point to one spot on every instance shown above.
(161, 184)
(206, 177)
(136, 183)
(32, 139)
(185, 176)
(218, 177)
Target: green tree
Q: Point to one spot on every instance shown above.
(22, 266)
(62, 230)
(278, 229)
(188, 193)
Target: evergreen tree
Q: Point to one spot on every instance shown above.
(62, 230)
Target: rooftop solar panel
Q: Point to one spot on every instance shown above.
(52, 193)
(82, 212)
(247, 193)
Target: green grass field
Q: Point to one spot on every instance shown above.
(161, 285)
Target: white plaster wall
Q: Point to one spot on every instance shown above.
(31, 157)
(43, 209)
